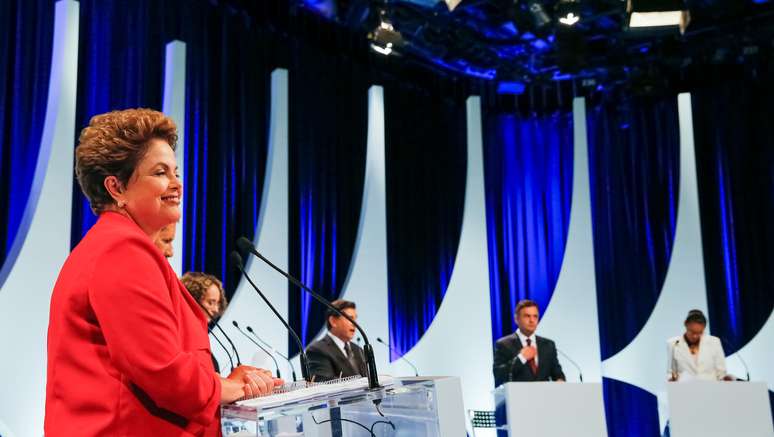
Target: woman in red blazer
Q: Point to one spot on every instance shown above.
(128, 352)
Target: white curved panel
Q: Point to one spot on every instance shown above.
(174, 106)
(43, 243)
(366, 283)
(571, 317)
(459, 340)
(643, 361)
(271, 239)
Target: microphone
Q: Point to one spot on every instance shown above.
(239, 362)
(216, 325)
(416, 372)
(228, 354)
(236, 325)
(284, 357)
(236, 260)
(673, 363)
(580, 372)
(746, 369)
(741, 360)
(373, 378)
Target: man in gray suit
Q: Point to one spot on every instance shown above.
(335, 355)
(524, 356)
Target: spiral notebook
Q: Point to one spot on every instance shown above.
(304, 391)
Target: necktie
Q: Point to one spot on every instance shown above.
(531, 362)
(351, 357)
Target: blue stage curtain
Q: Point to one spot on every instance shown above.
(227, 118)
(732, 113)
(634, 165)
(426, 156)
(26, 37)
(528, 170)
(735, 155)
(117, 69)
(226, 110)
(328, 132)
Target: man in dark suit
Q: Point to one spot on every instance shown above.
(524, 356)
(334, 355)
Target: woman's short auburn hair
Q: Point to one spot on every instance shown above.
(112, 145)
(197, 283)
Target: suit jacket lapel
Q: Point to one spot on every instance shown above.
(517, 344)
(360, 358)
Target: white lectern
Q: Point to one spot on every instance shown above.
(719, 409)
(550, 409)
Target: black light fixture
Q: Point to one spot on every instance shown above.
(568, 12)
(655, 14)
(384, 38)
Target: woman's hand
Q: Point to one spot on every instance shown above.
(247, 381)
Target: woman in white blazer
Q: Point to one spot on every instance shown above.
(694, 355)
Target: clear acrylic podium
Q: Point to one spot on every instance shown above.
(409, 407)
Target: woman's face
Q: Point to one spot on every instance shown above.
(211, 301)
(153, 193)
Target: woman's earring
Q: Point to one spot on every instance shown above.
(120, 203)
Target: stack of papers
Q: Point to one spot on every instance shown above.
(303, 391)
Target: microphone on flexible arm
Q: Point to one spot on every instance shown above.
(216, 325)
(239, 361)
(230, 360)
(673, 363)
(236, 260)
(746, 369)
(236, 325)
(416, 372)
(725, 343)
(275, 351)
(373, 378)
(580, 372)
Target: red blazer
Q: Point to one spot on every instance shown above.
(128, 352)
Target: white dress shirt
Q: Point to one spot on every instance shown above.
(709, 364)
(523, 338)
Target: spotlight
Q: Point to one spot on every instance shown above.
(384, 39)
(568, 12)
(645, 14)
(539, 15)
(382, 50)
(569, 19)
(451, 4)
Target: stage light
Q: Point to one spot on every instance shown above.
(569, 19)
(568, 12)
(451, 4)
(384, 39)
(658, 14)
(539, 15)
(386, 50)
(513, 88)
